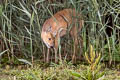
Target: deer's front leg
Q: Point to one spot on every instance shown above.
(56, 48)
(48, 52)
(57, 44)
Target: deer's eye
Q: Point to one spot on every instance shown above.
(49, 38)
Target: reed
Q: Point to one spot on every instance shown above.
(21, 22)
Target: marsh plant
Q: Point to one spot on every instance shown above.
(93, 70)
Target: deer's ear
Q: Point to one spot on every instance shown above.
(49, 29)
(62, 32)
(54, 33)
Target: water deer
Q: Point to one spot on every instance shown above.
(57, 26)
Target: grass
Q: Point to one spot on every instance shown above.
(53, 72)
(94, 70)
(20, 42)
(21, 23)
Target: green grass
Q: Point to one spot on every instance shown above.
(21, 24)
(20, 28)
(53, 72)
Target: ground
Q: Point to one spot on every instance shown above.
(52, 72)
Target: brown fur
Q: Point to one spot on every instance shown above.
(56, 27)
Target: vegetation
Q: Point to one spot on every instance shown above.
(21, 45)
(93, 71)
(55, 72)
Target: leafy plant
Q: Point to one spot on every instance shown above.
(93, 70)
(92, 60)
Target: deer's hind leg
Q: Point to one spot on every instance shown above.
(80, 50)
(73, 33)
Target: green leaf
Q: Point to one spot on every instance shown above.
(25, 10)
(75, 74)
(1, 7)
(89, 74)
(1, 53)
(25, 61)
(99, 75)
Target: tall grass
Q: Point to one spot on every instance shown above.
(21, 22)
